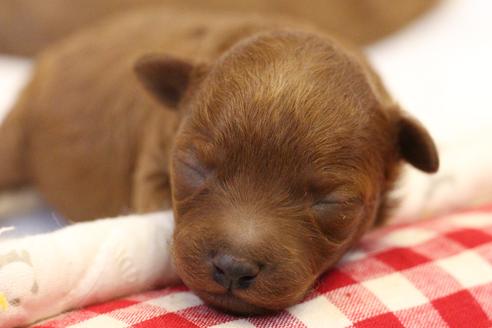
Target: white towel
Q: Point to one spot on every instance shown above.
(86, 263)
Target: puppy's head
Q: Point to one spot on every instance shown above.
(286, 151)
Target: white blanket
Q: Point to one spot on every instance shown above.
(83, 264)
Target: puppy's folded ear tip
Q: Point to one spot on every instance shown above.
(417, 146)
(434, 168)
(431, 164)
(165, 77)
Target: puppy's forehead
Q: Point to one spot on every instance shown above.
(290, 101)
(284, 81)
(287, 76)
(295, 67)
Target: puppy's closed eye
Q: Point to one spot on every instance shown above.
(335, 200)
(190, 175)
(335, 215)
(327, 204)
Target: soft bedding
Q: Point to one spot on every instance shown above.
(429, 273)
(435, 273)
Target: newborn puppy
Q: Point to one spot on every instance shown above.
(275, 145)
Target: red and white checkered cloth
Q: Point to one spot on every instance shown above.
(434, 273)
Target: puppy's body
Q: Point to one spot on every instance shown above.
(87, 128)
(276, 151)
(27, 26)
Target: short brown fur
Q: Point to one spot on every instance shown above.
(278, 146)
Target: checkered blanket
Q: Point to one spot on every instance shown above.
(435, 273)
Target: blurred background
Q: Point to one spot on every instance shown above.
(439, 68)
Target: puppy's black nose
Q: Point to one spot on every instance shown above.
(232, 272)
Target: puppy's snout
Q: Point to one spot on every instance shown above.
(232, 272)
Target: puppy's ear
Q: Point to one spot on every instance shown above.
(416, 145)
(165, 77)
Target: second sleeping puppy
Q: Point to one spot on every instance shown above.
(275, 145)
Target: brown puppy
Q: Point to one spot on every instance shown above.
(27, 26)
(275, 145)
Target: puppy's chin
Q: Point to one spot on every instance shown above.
(229, 303)
(240, 303)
